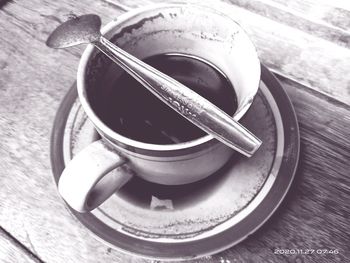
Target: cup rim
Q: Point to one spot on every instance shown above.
(101, 127)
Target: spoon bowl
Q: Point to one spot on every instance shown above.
(78, 30)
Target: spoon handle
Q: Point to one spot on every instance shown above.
(183, 100)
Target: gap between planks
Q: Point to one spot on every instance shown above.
(19, 247)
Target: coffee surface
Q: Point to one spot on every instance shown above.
(134, 112)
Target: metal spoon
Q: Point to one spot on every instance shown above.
(86, 29)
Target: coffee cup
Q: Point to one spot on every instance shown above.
(190, 38)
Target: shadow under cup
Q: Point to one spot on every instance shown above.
(198, 32)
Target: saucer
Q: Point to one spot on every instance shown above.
(197, 219)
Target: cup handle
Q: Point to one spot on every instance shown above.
(86, 182)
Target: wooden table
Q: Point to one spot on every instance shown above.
(306, 43)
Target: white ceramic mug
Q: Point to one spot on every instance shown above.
(203, 32)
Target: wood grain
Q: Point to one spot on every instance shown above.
(316, 18)
(34, 79)
(13, 251)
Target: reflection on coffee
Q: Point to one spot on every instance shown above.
(132, 111)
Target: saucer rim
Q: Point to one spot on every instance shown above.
(199, 248)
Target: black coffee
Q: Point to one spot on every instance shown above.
(134, 112)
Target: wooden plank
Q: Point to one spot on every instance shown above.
(313, 17)
(33, 80)
(335, 13)
(13, 251)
